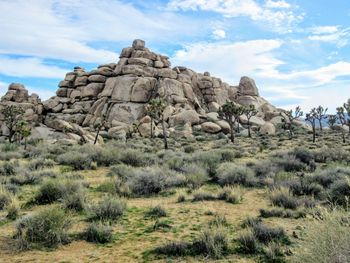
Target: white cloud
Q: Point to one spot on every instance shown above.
(219, 34)
(330, 34)
(68, 30)
(230, 60)
(277, 4)
(29, 67)
(278, 15)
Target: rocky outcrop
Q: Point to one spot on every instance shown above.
(114, 96)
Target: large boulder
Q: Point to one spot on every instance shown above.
(210, 127)
(188, 116)
(247, 86)
(268, 129)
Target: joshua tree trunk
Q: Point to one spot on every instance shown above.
(320, 122)
(97, 133)
(151, 128)
(232, 133)
(164, 136)
(313, 133)
(25, 143)
(249, 133)
(343, 135)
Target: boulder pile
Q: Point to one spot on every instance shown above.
(115, 95)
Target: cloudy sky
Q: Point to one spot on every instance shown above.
(297, 51)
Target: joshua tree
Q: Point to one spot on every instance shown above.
(249, 112)
(97, 128)
(230, 112)
(312, 117)
(344, 114)
(332, 120)
(321, 113)
(289, 117)
(155, 109)
(24, 131)
(12, 117)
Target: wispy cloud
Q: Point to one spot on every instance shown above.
(29, 67)
(331, 34)
(278, 15)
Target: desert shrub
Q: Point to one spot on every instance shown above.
(12, 209)
(231, 174)
(273, 253)
(156, 212)
(283, 198)
(181, 198)
(53, 190)
(218, 221)
(265, 168)
(110, 208)
(266, 234)
(7, 169)
(176, 163)
(265, 213)
(228, 155)
(248, 243)
(147, 181)
(136, 158)
(212, 242)
(329, 176)
(77, 160)
(203, 196)
(122, 171)
(40, 164)
(5, 198)
(98, 233)
(9, 147)
(304, 155)
(196, 176)
(209, 160)
(75, 201)
(174, 249)
(189, 149)
(325, 154)
(250, 222)
(232, 195)
(26, 178)
(325, 240)
(47, 227)
(339, 192)
(290, 164)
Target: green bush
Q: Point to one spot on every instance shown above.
(232, 174)
(233, 195)
(53, 190)
(339, 192)
(203, 196)
(47, 227)
(283, 198)
(147, 181)
(136, 158)
(326, 239)
(212, 242)
(266, 234)
(110, 208)
(174, 249)
(248, 243)
(98, 233)
(156, 212)
(77, 160)
(7, 169)
(196, 176)
(5, 198)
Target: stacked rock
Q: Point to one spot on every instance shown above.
(115, 95)
(17, 95)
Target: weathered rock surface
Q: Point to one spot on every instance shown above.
(115, 95)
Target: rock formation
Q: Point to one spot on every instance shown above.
(114, 96)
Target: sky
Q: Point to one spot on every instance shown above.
(298, 51)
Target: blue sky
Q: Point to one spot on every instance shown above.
(297, 51)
